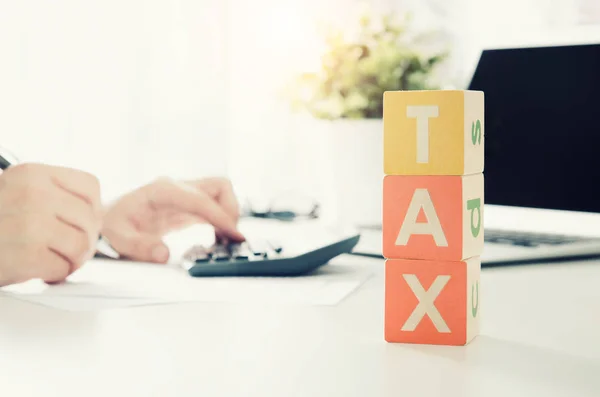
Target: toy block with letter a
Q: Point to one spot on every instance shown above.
(436, 132)
(432, 302)
(433, 217)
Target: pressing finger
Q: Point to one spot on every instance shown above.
(221, 190)
(198, 203)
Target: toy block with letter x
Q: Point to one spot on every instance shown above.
(431, 302)
(433, 217)
(437, 132)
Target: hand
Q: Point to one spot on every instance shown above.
(137, 222)
(50, 218)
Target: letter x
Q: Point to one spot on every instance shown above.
(426, 303)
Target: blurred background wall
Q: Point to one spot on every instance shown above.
(133, 89)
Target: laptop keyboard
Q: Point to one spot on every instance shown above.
(528, 239)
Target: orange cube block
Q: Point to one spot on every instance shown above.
(433, 217)
(432, 302)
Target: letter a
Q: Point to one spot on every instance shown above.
(421, 200)
(422, 114)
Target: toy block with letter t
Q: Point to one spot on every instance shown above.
(437, 132)
(433, 217)
(431, 302)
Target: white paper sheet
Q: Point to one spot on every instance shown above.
(119, 284)
(102, 284)
(85, 304)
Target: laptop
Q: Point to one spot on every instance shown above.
(542, 154)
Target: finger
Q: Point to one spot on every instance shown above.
(135, 245)
(54, 268)
(180, 221)
(141, 247)
(36, 261)
(70, 243)
(81, 184)
(80, 215)
(198, 203)
(222, 191)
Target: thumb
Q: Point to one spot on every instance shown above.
(142, 247)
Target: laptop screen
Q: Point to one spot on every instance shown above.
(542, 126)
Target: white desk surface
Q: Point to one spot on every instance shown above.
(540, 337)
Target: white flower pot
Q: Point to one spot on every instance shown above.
(356, 171)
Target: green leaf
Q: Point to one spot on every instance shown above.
(387, 56)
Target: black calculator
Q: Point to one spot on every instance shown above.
(266, 257)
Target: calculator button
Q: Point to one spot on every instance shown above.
(199, 254)
(275, 246)
(220, 253)
(240, 253)
(202, 258)
(258, 248)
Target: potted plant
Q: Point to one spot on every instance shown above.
(346, 94)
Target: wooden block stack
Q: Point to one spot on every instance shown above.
(433, 215)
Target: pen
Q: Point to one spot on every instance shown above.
(103, 246)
